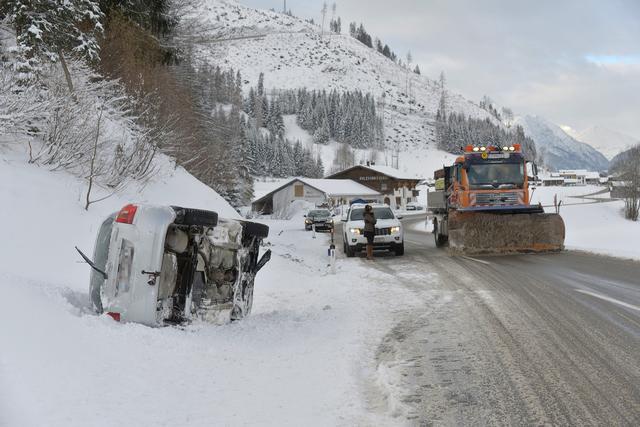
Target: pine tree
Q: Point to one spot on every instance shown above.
(319, 168)
(261, 85)
(47, 30)
(322, 135)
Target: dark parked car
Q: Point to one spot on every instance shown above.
(320, 218)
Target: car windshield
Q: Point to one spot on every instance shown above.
(319, 214)
(495, 174)
(378, 213)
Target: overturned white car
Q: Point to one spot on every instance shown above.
(160, 265)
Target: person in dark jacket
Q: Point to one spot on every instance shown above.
(369, 229)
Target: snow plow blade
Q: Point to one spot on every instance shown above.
(494, 233)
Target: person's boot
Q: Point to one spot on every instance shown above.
(370, 252)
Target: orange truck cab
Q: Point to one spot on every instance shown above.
(489, 179)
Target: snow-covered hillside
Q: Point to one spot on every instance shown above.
(292, 54)
(609, 142)
(559, 150)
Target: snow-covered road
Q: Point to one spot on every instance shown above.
(512, 340)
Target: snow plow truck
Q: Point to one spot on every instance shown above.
(481, 205)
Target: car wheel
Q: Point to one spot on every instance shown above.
(400, 249)
(348, 250)
(188, 216)
(255, 229)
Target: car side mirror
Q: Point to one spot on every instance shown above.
(399, 216)
(305, 216)
(265, 259)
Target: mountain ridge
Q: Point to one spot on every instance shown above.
(557, 149)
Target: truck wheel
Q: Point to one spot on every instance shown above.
(255, 229)
(440, 239)
(188, 216)
(400, 249)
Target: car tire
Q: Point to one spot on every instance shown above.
(348, 250)
(188, 216)
(399, 250)
(255, 229)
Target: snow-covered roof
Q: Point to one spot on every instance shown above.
(573, 172)
(330, 187)
(340, 187)
(385, 170)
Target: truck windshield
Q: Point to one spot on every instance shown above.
(495, 174)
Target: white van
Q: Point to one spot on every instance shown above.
(160, 265)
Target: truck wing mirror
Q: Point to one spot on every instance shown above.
(92, 264)
(265, 259)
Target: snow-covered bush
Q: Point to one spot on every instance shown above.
(46, 30)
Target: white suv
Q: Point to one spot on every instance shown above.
(389, 234)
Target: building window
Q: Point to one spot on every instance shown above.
(416, 193)
(383, 187)
(298, 190)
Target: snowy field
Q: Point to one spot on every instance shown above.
(305, 353)
(594, 227)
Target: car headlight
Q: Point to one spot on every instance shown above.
(395, 230)
(355, 231)
(308, 221)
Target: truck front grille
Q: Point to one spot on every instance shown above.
(491, 199)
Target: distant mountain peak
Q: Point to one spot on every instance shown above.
(558, 149)
(609, 142)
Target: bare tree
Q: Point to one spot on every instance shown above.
(629, 172)
(344, 158)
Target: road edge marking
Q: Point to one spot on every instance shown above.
(609, 299)
(477, 260)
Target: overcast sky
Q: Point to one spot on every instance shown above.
(575, 62)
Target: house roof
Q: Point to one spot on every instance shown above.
(385, 170)
(330, 187)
